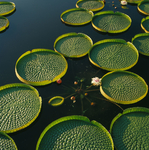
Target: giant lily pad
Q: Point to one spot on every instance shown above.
(123, 87)
(6, 142)
(141, 43)
(75, 132)
(76, 16)
(129, 130)
(40, 67)
(6, 8)
(112, 22)
(20, 106)
(113, 54)
(93, 5)
(143, 7)
(73, 44)
(4, 23)
(145, 24)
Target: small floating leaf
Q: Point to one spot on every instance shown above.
(129, 130)
(6, 8)
(141, 42)
(75, 132)
(76, 16)
(73, 44)
(112, 22)
(56, 101)
(123, 55)
(93, 5)
(40, 67)
(123, 87)
(6, 142)
(4, 23)
(20, 106)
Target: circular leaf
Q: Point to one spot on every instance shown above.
(93, 5)
(75, 132)
(123, 87)
(143, 7)
(40, 67)
(129, 130)
(56, 101)
(4, 23)
(145, 24)
(140, 41)
(6, 142)
(112, 22)
(20, 106)
(6, 8)
(73, 44)
(123, 55)
(76, 16)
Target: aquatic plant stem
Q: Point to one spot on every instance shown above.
(70, 87)
(92, 90)
(111, 102)
(89, 86)
(70, 95)
(88, 99)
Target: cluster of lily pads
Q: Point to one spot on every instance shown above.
(21, 103)
(6, 8)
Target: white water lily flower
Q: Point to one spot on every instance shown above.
(96, 81)
(123, 2)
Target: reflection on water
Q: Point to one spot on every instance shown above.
(36, 24)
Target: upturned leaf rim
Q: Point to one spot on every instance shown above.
(140, 35)
(119, 101)
(113, 13)
(17, 85)
(75, 35)
(117, 41)
(74, 117)
(10, 11)
(76, 9)
(95, 9)
(45, 82)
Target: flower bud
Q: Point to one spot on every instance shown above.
(59, 81)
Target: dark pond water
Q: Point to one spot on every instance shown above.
(36, 24)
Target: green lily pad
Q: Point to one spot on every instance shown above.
(145, 24)
(56, 101)
(123, 87)
(140, 41)
(93, 5)
(73, 44)
(77, 16)
(40, 67)
(4, 23)
(6, 142)
(6, 8)
(20, 106)
(130, 131)
(113, 54)
(134, 1)
(112, 22)
(143, 7)
(75, 132)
